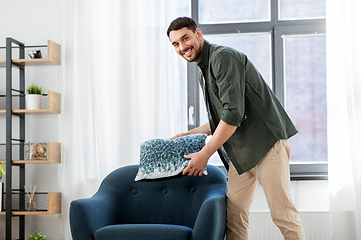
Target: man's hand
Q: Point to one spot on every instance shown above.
(197, 164)
(179, 135)
(202, 129)
(200, 159)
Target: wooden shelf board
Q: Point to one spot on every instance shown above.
(29, 161)
(39, 111)
(30, 62)
(34, 62)
(30, 112)
(19, 213)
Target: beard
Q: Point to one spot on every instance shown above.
(197, 53)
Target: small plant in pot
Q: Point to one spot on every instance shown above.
(2, 171)
(37, 236)
(34, 97)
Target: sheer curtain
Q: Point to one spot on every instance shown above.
(120, 88)
(344, 117)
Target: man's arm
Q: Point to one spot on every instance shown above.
(200, 159)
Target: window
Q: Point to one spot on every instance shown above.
(257, 46)
(215, 11)
(305, 94)
(286, 40)
(305, 9)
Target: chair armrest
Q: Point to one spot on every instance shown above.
(211, 219)
(89, 214)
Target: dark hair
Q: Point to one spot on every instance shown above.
(182, 22)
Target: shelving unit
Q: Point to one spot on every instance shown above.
(53, 207)
(53, 156)
(53, 149)
(53, 106)
(53, 50)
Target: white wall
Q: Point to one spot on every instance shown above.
(308, 196)
(34, 23)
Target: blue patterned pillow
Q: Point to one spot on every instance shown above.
(164, 157)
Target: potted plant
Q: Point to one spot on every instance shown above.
(34, 97)
(2, 171)
(37, 236)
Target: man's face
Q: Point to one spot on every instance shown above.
(187, 44)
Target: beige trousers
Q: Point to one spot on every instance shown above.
(272, 172)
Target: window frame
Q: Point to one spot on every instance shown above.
(277, 28)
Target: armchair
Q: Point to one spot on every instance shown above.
(173, 208)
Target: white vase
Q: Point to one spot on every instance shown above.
(33, 101)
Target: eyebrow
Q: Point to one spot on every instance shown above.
(180, 38)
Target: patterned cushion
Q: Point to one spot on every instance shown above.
(164, 157)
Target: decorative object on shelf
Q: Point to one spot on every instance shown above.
(35, 54)
(34, 97)
(37, 151)
(37, 236)
(2, 171)
(45, 203)
(1, 195)
(30, 205)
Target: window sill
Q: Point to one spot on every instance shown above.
(302, 171)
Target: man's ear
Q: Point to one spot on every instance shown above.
(199, 33)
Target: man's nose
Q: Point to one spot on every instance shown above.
(183, 47)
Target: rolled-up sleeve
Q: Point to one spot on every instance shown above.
(230, 80)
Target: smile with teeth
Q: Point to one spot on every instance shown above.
(188, 53)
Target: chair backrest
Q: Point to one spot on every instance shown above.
(172, 200)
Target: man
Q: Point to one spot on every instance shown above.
(249, 123)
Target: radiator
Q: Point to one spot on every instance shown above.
(315, 224)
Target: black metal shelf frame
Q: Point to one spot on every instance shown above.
(13, 105)
(9, 137)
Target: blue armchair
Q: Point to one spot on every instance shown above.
(174, 208)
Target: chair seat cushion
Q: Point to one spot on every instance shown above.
(143, 232)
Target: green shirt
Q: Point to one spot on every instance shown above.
(239, 96)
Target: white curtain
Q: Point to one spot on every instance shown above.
(344, 117)
(120, 87)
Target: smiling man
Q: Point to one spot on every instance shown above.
(249, 127)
